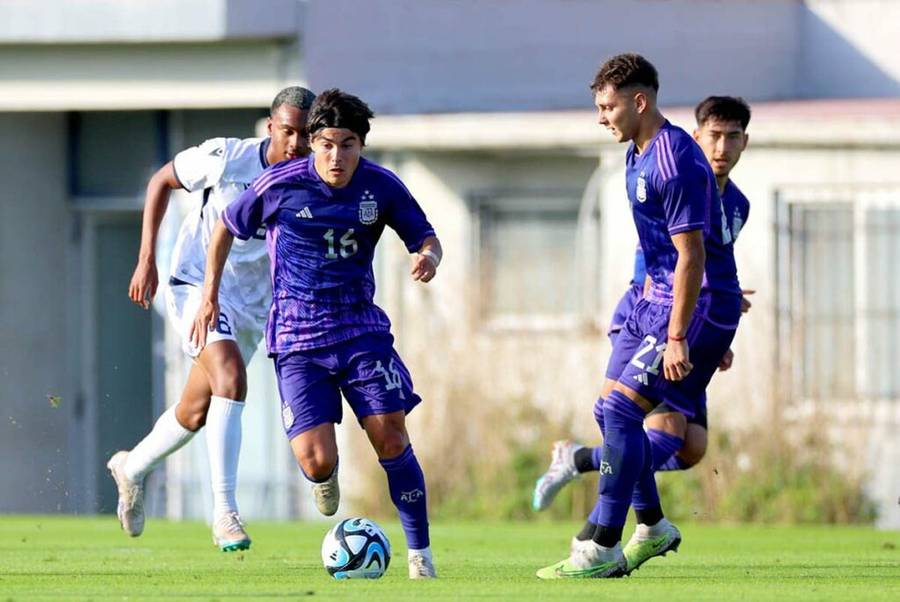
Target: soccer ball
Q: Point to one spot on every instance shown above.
(356, 548)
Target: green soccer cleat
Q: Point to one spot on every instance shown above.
(648, 542)
(588, 562)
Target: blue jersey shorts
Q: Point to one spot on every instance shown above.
(636, 360)
(366, 369)
(623, 309)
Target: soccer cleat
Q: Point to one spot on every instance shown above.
(328, 494)
(561, 471)
(130, 508)
(588, 561)
(421, 566)
(647, 542)
(229, 534)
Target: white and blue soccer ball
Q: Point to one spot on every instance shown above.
(356, 548)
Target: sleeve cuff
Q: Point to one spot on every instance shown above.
(421, 240)
(686, 227)
(234, 230)
(177, 177)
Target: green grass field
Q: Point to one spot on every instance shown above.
(53, 558)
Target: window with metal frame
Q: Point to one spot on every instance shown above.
(535, 268)
(838, 297)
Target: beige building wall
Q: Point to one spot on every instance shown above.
(37, 314)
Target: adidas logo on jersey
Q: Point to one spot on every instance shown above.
(304, 213)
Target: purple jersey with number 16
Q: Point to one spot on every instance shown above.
(321, 244)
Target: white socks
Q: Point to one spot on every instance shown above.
(648, 531)
(223, 442)
(166, 437)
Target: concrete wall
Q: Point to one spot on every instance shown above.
(37, 302)
(849, 49)
(146, 76)
(413, 56)
(100, 21)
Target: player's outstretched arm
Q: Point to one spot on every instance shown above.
(427, 260)
(208, 314)
(686, 289)
(145, 279)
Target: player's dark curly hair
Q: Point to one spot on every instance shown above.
(335, 108)
(294, 96)
(723, 108)
(624, 70)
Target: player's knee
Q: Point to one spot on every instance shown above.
(694, 448)
(391, 444)
(673, 423)
(607, 388)
(598, 414)
(191, 416)
(194, 421)
(317, 464)
(230, 381)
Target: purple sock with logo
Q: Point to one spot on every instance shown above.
(625, 457)
(407, 485)
(663, 446)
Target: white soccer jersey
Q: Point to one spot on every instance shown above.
(217, 172)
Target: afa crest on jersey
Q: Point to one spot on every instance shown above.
(641, 190)
(368, 209)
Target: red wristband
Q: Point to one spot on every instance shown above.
(671, 338)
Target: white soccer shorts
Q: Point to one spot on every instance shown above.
(246, 328)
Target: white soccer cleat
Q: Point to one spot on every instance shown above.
(328, 494)
(421, 566)
(229, 534)
(561, 471)
(130, 508)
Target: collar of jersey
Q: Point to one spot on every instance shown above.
(653, 140)
(263, 150)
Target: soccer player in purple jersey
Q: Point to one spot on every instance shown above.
(677, 441)
(323, 218)
(673, 341)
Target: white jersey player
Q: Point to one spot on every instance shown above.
(216, 172)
